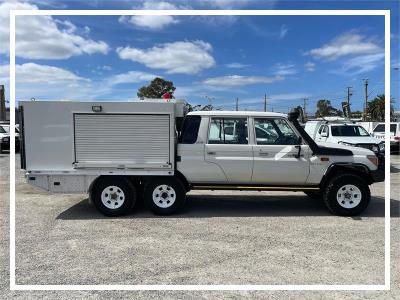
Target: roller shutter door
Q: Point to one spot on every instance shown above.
(122, 138)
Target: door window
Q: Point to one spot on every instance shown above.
(323, 129)
(271, 131)
(228, 131)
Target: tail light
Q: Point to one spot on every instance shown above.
(397, 138)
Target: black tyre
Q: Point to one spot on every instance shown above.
(113, 196)
(346, 195)
(164, 195)
(317, 195)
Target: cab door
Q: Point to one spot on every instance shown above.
(276, 148)
(228, 148)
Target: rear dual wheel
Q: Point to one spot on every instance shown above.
(113, 196)
(164, 195)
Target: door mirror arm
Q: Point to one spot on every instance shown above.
(298, 146)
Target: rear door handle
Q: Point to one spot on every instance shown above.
(211, 153)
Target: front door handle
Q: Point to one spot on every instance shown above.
(211, 153)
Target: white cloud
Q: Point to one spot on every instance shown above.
(4, 74)
(45, 82)
(238, 80)
(152, 22)
(310, 66)
(228, 4)
(182, 57)
(236, 65)
(283, 31)
(346, 44)
(361, 64)
(130, 77)
(42, 37)
(34, 73)
(284, 69)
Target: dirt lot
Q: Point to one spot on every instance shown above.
(220, 238)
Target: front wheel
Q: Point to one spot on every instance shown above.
(346, 195)
(164, 195)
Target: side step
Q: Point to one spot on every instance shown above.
(255, 188)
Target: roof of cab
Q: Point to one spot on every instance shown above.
(236, 113)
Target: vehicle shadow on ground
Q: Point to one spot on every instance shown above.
(200, 206)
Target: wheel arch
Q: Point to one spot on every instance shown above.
(349, 168)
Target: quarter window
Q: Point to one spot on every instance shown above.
(228, 131)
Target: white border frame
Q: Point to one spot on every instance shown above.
(247, 287)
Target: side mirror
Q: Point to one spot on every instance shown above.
(324, 134)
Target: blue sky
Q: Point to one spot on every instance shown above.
(219, 58)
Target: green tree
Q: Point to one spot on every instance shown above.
(156, 88)
(376, 109)
(324, 108)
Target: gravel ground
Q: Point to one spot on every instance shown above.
(220, 238)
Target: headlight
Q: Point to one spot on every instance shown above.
(381, 147)
(373, 159)
(346, 144)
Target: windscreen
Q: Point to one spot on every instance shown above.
(348, 130)
(381, 128)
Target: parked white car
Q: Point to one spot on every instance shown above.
(6, 128)
(379, 133)
(4, 139)
(348, 134)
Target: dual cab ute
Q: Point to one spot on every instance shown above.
(118, 151)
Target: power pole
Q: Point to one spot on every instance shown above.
(366, 99)
(304, 107)
(237, 103)
(265, 102)
(2, 104)
(349, 94)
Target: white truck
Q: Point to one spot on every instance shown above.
(119, 151)
(344, 132)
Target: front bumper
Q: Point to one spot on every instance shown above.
(379, 174)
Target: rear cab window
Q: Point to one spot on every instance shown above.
(190, 130)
